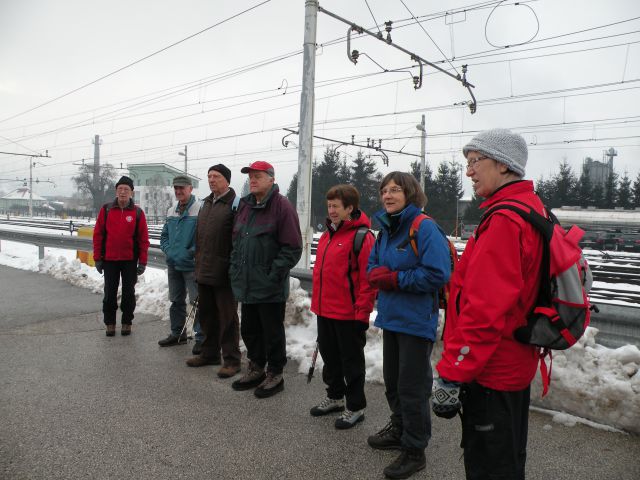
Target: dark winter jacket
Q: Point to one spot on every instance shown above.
(413, 308)
(115, 237)
(267, 244)
(340, 287)
(495, 285)
(178, 238)
(213, 240)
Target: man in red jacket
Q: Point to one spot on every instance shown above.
(483, 369)
(120, 246)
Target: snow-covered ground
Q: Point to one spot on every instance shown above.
(590, 384)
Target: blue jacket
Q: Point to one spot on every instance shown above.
(413, 309)
(178, 238)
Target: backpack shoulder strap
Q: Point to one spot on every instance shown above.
(415, 227)
(358, 240)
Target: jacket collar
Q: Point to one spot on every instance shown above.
(358, 219)
(129, 206)
(251, 198)
(191, 201)
(507, 191)
(405, 216)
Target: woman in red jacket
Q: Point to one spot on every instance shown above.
(342, 299)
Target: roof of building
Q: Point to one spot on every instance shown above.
(22, 193)
(159, 166)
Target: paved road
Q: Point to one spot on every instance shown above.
(76, 404)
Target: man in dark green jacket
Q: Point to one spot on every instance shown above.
(267, 244)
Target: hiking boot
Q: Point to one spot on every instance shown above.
(126, 329)
(272, 384)
(172, 340)
(200, 361)
(410, 461)
(254, 377)
(386, 439)
(111, 330)
(348, 419)
(327, 405)
(197, 348)
(228, 371)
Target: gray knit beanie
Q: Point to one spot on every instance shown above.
(503, 146)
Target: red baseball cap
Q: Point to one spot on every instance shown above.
(259, 166)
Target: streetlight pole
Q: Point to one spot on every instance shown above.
(423, 161)
(184, 154)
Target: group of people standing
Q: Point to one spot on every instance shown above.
(227, 250)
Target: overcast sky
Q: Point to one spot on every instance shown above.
(228, 92)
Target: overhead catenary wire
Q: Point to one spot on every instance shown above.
(134, 62)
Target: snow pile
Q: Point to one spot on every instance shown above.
(595, 382)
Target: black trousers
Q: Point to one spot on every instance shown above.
(219, 322)
(408, 379)
(262, 329)
(113, 270)
(495, 425)
(341, 344)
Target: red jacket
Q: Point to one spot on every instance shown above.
(120, 228)
(337, 275)
(494, 287)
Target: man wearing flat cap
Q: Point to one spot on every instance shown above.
(267, 244)
(495, 286)
(120, 246)
(218, 308)
(178, 242)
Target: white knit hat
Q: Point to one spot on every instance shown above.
(503, 146)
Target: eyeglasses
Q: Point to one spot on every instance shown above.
(391, 190)
(473, 161)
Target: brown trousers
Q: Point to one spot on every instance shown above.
(219, 322)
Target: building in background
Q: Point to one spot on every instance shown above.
(153, 190)
(17, 201)
(599, 171)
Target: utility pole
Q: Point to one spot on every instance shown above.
(184, 154)
(423, 161)
(96, 172)
(305, 149)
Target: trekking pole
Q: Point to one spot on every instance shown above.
(314, 357)
(191, 317)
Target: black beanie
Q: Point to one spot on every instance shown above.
(125, 181)
(224, 171)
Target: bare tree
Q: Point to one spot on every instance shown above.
(159, 199)
(106, 183)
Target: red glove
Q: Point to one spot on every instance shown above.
(383, 278)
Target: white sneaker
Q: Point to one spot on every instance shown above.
(348, 419)
(327, 405)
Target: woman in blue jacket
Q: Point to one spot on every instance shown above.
(408, 315)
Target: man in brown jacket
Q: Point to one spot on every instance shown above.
(217, 306)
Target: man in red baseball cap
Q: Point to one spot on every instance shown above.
(267, 244)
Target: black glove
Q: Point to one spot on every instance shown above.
(445, 398)
(99, 266)
(141, 268)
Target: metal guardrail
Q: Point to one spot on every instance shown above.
(619, 325)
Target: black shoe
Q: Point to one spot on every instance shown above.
(197, 348)
(386, 439)
(410, 461)
(172, 340)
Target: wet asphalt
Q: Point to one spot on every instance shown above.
(76, 404)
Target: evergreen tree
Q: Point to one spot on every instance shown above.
(292, 191)
(636, 192)
(444, 195)
(610, 190)
(544, 189)
(428, 176)
(325, 175)
(366, 178)
(564, 185)
(624, 197)
(598, 196)
(472, 212)
(584, 189)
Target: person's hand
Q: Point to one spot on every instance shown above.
(383, 278)
(99, 266)
(445, 398)
(141, 268)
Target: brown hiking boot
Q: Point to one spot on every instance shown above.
(271, 385)
(200, 361)
(228, 371)
(126, 329)
(111, 330)
(255, 376)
